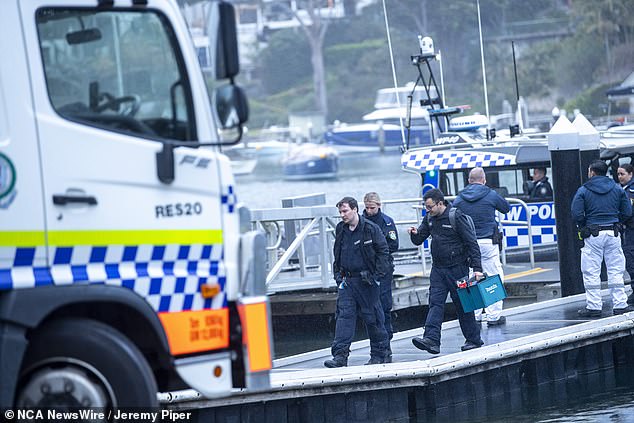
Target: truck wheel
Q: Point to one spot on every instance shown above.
(84, 363)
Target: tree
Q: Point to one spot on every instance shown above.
(612, 21)
(315, 31)
(314, 26)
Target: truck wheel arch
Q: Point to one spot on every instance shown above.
(23, 311)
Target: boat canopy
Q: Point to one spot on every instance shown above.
(484, 154)
(442, 160)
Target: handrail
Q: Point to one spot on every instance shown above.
(519, 223)
(526, 223)
(318, 223)
(290, 251)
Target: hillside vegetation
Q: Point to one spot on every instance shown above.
(568, 53)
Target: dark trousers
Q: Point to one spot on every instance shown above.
(442, 281)
(386, 303)
(628, 251)
(357, 298)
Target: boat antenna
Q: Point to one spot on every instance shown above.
(442, 78)
(398, 100)
(484, 74)
(520, 120)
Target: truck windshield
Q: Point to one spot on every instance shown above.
(119, 70)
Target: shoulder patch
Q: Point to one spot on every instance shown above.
(392, 235)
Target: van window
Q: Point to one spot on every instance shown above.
(119, 70)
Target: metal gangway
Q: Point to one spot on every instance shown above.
(306, 262)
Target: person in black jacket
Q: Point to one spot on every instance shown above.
(453, 252)
(481, 202)
(539, 188)
(360, 262)
(373, 212)
(625, 174)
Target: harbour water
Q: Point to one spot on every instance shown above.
(578, 403)
(264, 188)
(358, 174)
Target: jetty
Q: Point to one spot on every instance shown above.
(542, 354)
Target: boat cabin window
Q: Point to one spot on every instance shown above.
(508, 181)
(452, 183)
(512, 182)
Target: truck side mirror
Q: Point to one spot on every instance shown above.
(222, 27)
(232, 106)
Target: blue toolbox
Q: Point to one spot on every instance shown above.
(476, 295)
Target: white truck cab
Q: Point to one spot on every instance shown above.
(123, 270)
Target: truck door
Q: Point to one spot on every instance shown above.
(107, 84)
(22, 241)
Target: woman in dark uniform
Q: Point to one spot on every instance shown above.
(625, 173)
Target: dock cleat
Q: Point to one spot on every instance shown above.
(471, 345)
(336, 362)
(426, 344)
(586, 312)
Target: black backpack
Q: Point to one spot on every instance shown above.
(452, 220)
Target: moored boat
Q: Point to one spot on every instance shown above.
(381, 129)
(310, 161)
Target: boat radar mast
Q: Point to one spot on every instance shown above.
(434, 104)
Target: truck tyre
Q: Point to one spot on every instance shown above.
(84, 363)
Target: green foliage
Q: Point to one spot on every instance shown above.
(285, 62)
(591, 102)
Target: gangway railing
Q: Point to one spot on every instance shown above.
(316, 222)
(311, 264)
(520, 223)
(424, 250)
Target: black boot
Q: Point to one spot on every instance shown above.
(336, 362)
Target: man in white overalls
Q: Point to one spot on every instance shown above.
(597, 209)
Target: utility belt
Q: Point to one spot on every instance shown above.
(364, 275)
(594, 230)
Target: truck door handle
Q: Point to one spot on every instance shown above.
(62, 199)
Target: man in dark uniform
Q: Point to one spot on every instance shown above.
(373, 213)
(540, 187)
(453, 252)
(597, 208)
(360, 262)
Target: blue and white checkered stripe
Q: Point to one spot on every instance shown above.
(167, 276)
(443, 160)
(517, 236)
(229, 198)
